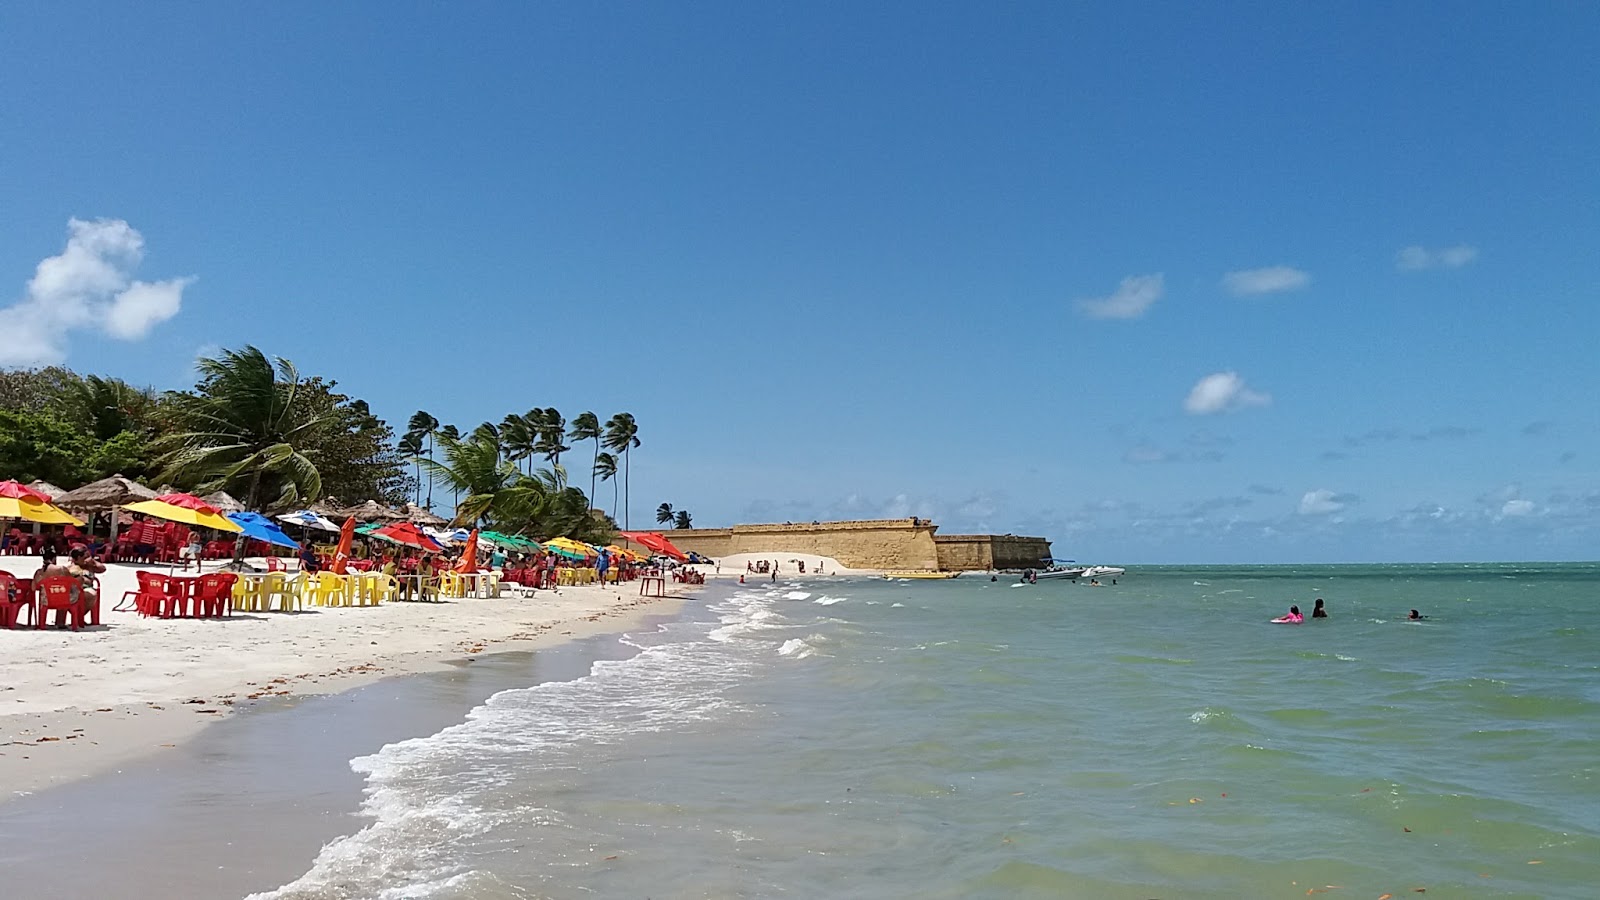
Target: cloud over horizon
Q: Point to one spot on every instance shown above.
(1271, 280)
(89, 285)
(1323, 502)
(1417, 259)
(1222, 392)
(1133, 296)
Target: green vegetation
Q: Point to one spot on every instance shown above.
(257, 428)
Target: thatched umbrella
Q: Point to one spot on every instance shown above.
(327, 507)
(107, 494)
(417, 515)
(373, 511)
(224, 502)
(47, 489)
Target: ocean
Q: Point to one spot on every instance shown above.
(855, 738)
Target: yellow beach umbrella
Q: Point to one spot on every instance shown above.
(570, 545)
(185, 508)
(625, 553)
(18, 501)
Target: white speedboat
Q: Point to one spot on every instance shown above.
(1102, 572)
(1058, 572)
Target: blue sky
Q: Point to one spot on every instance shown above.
(1165, 284)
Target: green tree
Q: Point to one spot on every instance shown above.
(664, 514)
(356, 452)
(41, 445)
(489, 487)
(424, 426)
(683, 519)
(411, 448)
(605, 465)
(586, 427)
(549, 428)
(622, 435)
(246, 430)
(519, 438)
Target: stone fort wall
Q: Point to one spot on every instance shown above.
(868, 544)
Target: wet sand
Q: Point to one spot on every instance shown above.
(246, 804)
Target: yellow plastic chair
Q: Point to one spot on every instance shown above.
(327, 589)
(275, 584)
(372, 588)
(452, 585)
(246, 597)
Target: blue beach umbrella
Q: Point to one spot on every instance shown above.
(261, 528)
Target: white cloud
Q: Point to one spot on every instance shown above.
(1321, 503)
(1222, 392)
(1415, 259)
(1133, 296)
(88, 285)
(1517, 508)
(1271, 280)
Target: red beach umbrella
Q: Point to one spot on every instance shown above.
(408, 535)
(469, 555)
(341, 553)
(655, 542)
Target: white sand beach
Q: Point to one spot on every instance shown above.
(76, 703)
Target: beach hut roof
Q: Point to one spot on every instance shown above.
(224, 502)
(107, 493)
(418, 515)
(327, 506)
(373, 511)
(47, 489)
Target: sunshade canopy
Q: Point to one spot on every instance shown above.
(569, 545)
(308, 519)
(408, 535)
(18, 501)
(655, 542)
(185, 508)
(261, 528)
(107, 493)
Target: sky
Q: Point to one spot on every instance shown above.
(1207, 283)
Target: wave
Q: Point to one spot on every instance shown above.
(426, 796)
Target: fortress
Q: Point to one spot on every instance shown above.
(870, 544)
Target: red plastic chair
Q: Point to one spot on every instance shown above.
(144, 583)
(274, 564)
(215, 597)
(16, 595)
(59, 593)
(157, 596)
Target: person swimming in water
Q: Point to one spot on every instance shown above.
(1293, 618)
(1416, 616)
(1318, 611)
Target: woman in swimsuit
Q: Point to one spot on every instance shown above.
(1318, 612)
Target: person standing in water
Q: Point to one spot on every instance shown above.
(1318, 611)
(1416, 616)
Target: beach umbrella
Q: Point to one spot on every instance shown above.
(582, 550)
(223, 502)
(18, 501)
(341, 553)
(469, 556)
(408, 535)
(308, 519)
(373, 511)
(655, 542)
(185, 508)
(105, 495)
(261, 528)
(50, 491)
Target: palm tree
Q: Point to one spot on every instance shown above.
(664, 514)
(518, 438)
(423, 425)
(411, 446)
(492, 486)
(683, 519)
(550, 427)
(605, 465)
(584, 428)
(622, 434)
(242, 431)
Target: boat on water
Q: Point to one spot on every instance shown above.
(896, 576)
(1068, 572)
(1103, 572)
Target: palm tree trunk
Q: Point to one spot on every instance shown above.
(252, 501)
(627, 482)
(592, 464)
(430, 474)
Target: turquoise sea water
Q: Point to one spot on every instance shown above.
(1157, 738)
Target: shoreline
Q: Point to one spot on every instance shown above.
(77, 705)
